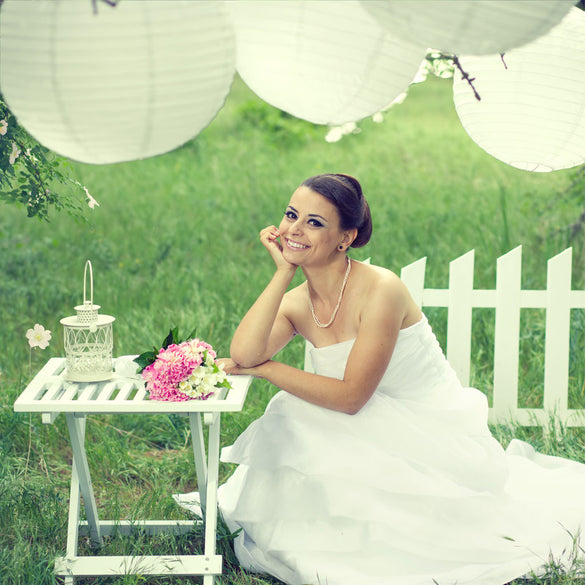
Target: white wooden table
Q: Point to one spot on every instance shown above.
(50, 394)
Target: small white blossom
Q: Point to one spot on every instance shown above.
(185, 387)
(336, 133)
(197, 376)
(14, 154)
(91, 202)
(3, 127)
(38, 336)
(31, 156)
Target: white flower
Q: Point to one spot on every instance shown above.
(378, 117)
(14, 154)
(3, 127)
(197, 375)
(207, 386)
(185, 387)
(398, 100)
(38, 336)
(31, 155)
(336, 133)
(91, 202)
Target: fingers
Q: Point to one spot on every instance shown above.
(269, 234)
(228, 365)
(269, 238)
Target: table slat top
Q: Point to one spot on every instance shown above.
(50, 392)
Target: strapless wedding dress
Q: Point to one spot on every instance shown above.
(412, 490)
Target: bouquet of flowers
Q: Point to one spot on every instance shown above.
(181, 370)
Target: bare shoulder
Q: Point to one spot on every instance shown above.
(383, 289)
(381, 280)
(294, 301)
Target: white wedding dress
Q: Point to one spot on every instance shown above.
(412, 490)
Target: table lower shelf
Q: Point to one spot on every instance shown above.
(90, 566)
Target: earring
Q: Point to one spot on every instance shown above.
(340, 247)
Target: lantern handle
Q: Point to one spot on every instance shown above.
(88, 263)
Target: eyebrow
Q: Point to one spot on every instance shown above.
(310, 214)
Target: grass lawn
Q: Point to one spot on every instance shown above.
(174, 242)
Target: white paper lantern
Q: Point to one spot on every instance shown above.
(326, 62)
(89, 339)
(469, 27)
(532, 109)
(118, 83)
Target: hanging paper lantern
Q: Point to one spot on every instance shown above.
(325, 62)
(469, 27)
(532, 109)
(103, 84)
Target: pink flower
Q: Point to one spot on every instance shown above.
(38, 336)
(183, 372)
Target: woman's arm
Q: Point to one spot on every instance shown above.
(265, 329)
(381, 320)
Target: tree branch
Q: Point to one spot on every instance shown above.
(466, 77)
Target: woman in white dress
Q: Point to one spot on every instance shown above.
(378, 468)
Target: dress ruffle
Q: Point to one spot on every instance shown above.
(412, 490)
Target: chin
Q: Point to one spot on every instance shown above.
(296, 258)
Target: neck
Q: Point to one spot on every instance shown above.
(323, 282)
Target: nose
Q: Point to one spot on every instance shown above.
(296, 227)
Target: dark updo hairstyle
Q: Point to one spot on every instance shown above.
(345, 193)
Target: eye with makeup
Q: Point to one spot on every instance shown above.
(292, 215)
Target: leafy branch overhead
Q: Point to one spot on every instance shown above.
(30, 173)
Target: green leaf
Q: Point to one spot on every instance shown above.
(170, 338)
(145, 359)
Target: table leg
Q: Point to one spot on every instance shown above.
(207, 479)
(73, 522)
(198, 444)
(80, 474)
(212, 481)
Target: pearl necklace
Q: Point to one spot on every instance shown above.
(315, 318)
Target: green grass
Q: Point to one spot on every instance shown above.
(174, 242)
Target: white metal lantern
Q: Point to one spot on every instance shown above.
(532, 109)
(103, 84)
(89, 339)
(469, 27)
(327, 62)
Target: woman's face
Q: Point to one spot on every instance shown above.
(310, 230)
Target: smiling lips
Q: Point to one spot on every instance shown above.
(295, 245)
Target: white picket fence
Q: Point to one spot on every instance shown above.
(508, 298)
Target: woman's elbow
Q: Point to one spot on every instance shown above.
(242, 358)
(354, 402)
(352, 407)
(243, 361)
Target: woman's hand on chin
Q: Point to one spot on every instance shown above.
(269, 238)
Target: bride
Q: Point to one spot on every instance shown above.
(379, 468)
